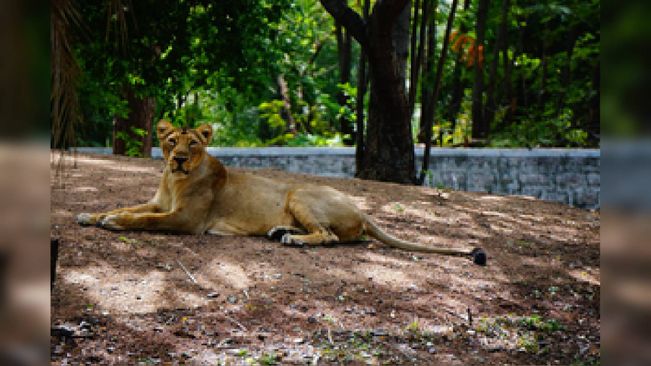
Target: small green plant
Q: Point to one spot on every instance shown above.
(398, 208)
(528, 342)
(535, 322)
(347, 111)
(268, 359)
(413, 327)
(242, 353)
(126, 240)
(329, 318)
(133, 145)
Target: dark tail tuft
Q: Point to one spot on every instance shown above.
(479, 256)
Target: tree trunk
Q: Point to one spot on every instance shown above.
(141, 116)
(389, 153)
(286, 112)
(344, 45)
(389, 148)
(479, 126)
(437, 90)
(414, 68)
(362, 82)
(427, 9)
(491, 104)
(507, 64)
(427, 87)
(401, 41)
(457, 84)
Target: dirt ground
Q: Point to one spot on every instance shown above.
(125, 298)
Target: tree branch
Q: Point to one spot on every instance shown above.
(348, 18)
(388, 11)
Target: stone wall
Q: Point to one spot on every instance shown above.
(570, 176)
(563, 175)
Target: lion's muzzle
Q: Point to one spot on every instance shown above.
(178, 167)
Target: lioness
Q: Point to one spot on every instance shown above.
(197, 194)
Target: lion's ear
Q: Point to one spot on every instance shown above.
(206, 132)
(163, 129)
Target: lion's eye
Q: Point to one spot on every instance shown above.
(172, 142)
(193, 143)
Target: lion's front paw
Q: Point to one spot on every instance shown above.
(290, 240)
(86, 219)
(110, 222)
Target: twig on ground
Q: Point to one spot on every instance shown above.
(469, 317)
(242, 327)
(223, 342)
(194, 280)
(330, 336)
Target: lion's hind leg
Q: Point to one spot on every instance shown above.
(317, 238)
(317, 234)
(277, 232)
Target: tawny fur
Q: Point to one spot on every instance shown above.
(197, 194)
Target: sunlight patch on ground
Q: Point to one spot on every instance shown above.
(120, 246)
(400, 208)
(495, 214)
(383, 259)
(120, 292)
(532, 218)
(587, 274)
(230, 274)
(543, 262)
(187, 299)
(360, 202)
(60, 213)
(390, 277)
(84, 189)
(122, 167)
(438, 240)
(503, 228)
(492, 198)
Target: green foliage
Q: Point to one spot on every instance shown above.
(536, 322)
(548, 130)
(413, 327)
(219, 63)
(133, 144)
(526, 333)
(271, 112)
(268, 359)
(347, 111)
(242, 352)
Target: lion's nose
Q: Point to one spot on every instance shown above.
(180, 159)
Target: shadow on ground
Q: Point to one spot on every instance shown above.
(124, 297)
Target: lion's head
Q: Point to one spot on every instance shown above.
(183, 148)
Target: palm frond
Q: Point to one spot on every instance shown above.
(66, 113)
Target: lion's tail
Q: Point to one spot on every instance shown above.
(478, 255)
